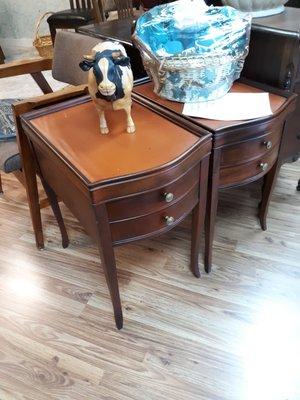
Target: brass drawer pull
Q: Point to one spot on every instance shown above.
(264, 166)
(168, 197)
(268, 144)
(169, 220)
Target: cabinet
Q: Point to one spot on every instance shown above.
(274, 59)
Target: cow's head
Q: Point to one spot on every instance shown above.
(108, 73)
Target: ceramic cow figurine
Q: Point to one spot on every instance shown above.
(110, 81)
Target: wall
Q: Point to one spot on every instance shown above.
(18, 19)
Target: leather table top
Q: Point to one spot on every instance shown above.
(74, 133)
(146, 90)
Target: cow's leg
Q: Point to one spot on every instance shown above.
(103, 125)
(130, 123)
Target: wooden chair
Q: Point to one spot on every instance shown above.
(68, 50)
(81, 12)
(2, 56)
(30, 168)
(10, 161)
(20, 108)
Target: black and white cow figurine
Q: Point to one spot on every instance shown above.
(110, 81)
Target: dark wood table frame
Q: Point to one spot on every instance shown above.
(123, 208)
(242, 152)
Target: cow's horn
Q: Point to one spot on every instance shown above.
(89, 57)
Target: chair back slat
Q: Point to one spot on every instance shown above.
(81, 4)
(97, 10)
(124, 8)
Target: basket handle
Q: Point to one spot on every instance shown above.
(38, 24)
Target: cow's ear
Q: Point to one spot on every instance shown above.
(122, 61)
(86, 65)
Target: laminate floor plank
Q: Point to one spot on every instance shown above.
(13, 395)
(230, 335)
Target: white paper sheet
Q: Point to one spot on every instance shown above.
(231, 107)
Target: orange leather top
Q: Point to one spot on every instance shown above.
(146, 90)
(75, 133)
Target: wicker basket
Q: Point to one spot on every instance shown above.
(190, 77)
(174, 76)
(43, 44)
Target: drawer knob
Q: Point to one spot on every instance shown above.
(168, 197)
(264, 166)
(268, 144)
(169, 220)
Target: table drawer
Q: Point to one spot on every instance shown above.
(152, 201)
(242, 173)
(137, 228)
(249, 150)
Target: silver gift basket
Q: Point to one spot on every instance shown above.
(197, 59)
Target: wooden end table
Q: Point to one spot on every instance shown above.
(121, 187)
(242, 152)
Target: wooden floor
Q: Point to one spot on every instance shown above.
(231, 335)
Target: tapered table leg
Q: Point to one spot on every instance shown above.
(267, 189)
(29, 169)
(211, 208)
(108, 261)
(198, 217)
(57, 212)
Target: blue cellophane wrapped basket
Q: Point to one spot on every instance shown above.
(192, 52)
